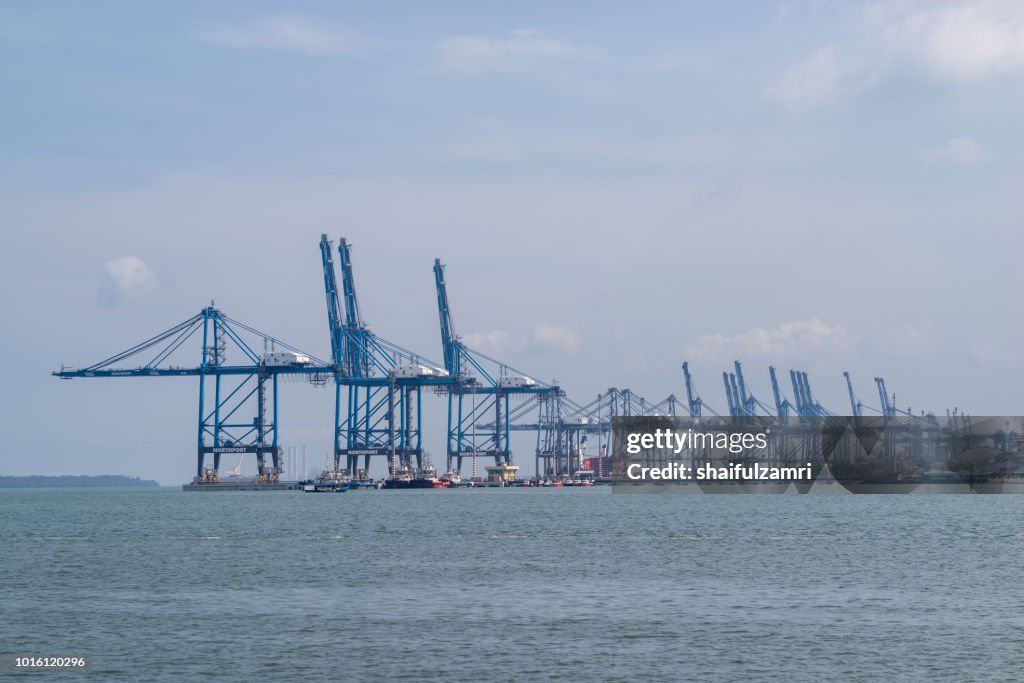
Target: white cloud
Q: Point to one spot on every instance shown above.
(949, 41)
(297, 32)
(124, 280)
(478, 54)
(904, 340)
(823, 78)
(959, 151)
(988, 353)
(785, 340)
(556, 337)
(494, 341)
(541, 338)
(957, 41)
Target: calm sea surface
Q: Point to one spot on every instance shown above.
(545, 584)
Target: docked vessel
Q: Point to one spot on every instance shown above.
(362, 482)
(209, 480)
(455, 480)
(328, 482)
(230, 484)
(424, 479)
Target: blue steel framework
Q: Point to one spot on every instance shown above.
(379, 384)
(481, 393)
(238, 389)
(564, 426)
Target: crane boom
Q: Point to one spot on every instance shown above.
(888, 409)
(728, 393)
(781, 409)
(359, 358)
(746, 400)
(854, 403)
(449, 343)
(333, 304)
(693, 403)
(352, 317)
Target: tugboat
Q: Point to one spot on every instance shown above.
(361, 482)
(329, 481)
(402, 479)
(455, 480)
(582, 478)
(424, 479)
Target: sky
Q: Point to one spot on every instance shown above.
(614, 187)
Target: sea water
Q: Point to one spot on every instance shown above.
(512, 584)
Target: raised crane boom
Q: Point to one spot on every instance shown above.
(854, 403)
(449, 342)
(361, 358)
(348, 283)
(693, 402)
(888, 406)
(728, 393)
(333, 304)
(747, 401)
(781, 405)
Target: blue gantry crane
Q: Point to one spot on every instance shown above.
(806, 405)
(888, 404)
(480, 392)
(238, 384)
(782, 405)
(693, 401)
(379, 384)
(565, 426)
(856, 406)
(741, 401)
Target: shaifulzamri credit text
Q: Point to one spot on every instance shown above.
(676, 471)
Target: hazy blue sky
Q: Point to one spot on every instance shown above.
(614, 187)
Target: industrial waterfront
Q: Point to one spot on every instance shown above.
(380, 387)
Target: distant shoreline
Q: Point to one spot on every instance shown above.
(38, 481)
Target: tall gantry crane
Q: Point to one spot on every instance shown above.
(378, 384)
(855, 405)
(236, 381)
(693, 401)
(782, 405)
(481, 392)
(888, 404)
(806, 405)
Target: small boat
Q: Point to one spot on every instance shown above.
(425, 479)
(328, 482)
(455, 480)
